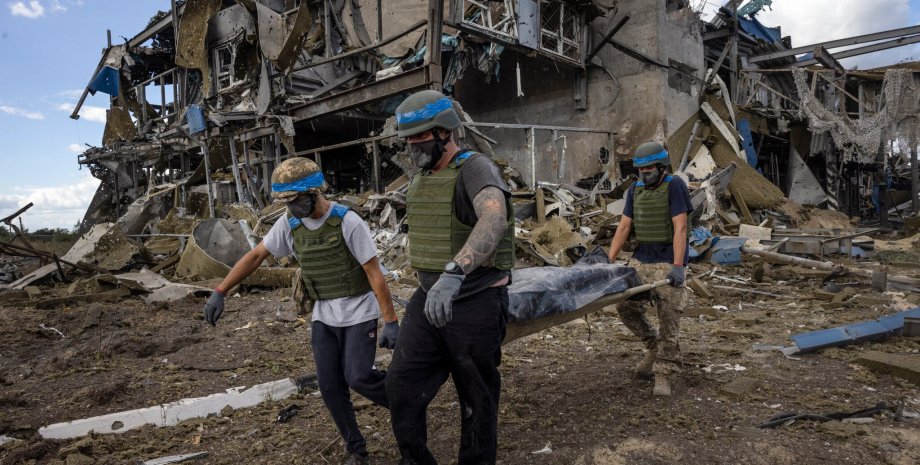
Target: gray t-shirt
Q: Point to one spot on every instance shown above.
(344, 311)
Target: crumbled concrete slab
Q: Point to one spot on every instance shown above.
(870, 301)
(846, 294)
(699, 288)
(176, 458)
(172, 413)
(737, 333)
(695, 312)
(740, 387)
(905, 366)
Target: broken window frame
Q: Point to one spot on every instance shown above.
(459, 20)
(562, 40)
(487, 23)
(233, 46)
(167, 109)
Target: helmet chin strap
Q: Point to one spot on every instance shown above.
(440, 144)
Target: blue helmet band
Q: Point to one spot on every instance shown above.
(428, 112)
(313, 181)
(658, 157)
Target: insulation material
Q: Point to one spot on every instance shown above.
(757, 191)
(230, 23)
(191, 47)
(804, 187)
(398, 15)
(118, 126)
(218, 157)
(279, 43)
(701, 165)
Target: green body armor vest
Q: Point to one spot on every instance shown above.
(328, 268)
(436, 235)
(652, 214)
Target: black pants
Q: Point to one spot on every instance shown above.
(469, 349)
(344, 359)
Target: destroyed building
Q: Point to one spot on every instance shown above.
(213, 94)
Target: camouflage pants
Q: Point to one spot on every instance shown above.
(670, 303)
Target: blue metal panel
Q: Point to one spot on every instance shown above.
(195, 117)
(727, 251)
(106, 81)
(744, 128)
(856, 332)
(758, 30)
(814, 340)
(867, 330)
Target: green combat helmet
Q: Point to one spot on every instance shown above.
(295, 176)
(650, 153)
(424, 111)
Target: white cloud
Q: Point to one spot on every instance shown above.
(87, 112)
(72, 93)
(838, 19)
(32, 10)
(57, 7)
(55, 206)
(76, 148)
(20, 112)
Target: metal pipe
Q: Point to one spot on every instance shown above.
(207, 177)
(236, 171)
(537, 126)
(376, 161)
(533, 157)
(914, 181)
(684, 157)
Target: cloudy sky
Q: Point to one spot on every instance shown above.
(49, 48)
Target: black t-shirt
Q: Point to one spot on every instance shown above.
(678, 202)
(476, 173)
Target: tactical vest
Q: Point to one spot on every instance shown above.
(329, 270)
(436, 235)
(652, 214)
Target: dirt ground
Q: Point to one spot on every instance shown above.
(568, 397)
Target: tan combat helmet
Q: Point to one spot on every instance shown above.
(295, 176)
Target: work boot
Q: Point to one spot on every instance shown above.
(355, 458)
(662, 386)
(644, 367)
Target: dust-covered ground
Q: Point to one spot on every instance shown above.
(568, 396)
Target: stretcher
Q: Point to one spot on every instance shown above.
(543, 297)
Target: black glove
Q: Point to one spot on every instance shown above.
(214, 307)
(677, 276)
(439, 305)
(390, 334)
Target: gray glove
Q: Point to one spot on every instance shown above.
(439, 305)
(390, 334)
(214, 307)
(677, 276)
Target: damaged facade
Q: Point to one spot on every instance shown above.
(213, 94)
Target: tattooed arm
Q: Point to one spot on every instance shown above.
(492, 220)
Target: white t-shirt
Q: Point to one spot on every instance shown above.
(344, 311)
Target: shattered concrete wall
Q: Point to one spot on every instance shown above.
(638, 102)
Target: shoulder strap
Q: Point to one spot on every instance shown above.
(293, 222)
(338, 211)
(459, 160)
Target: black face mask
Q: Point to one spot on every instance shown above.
(426, 154)
(650, 178)
(302, 206)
